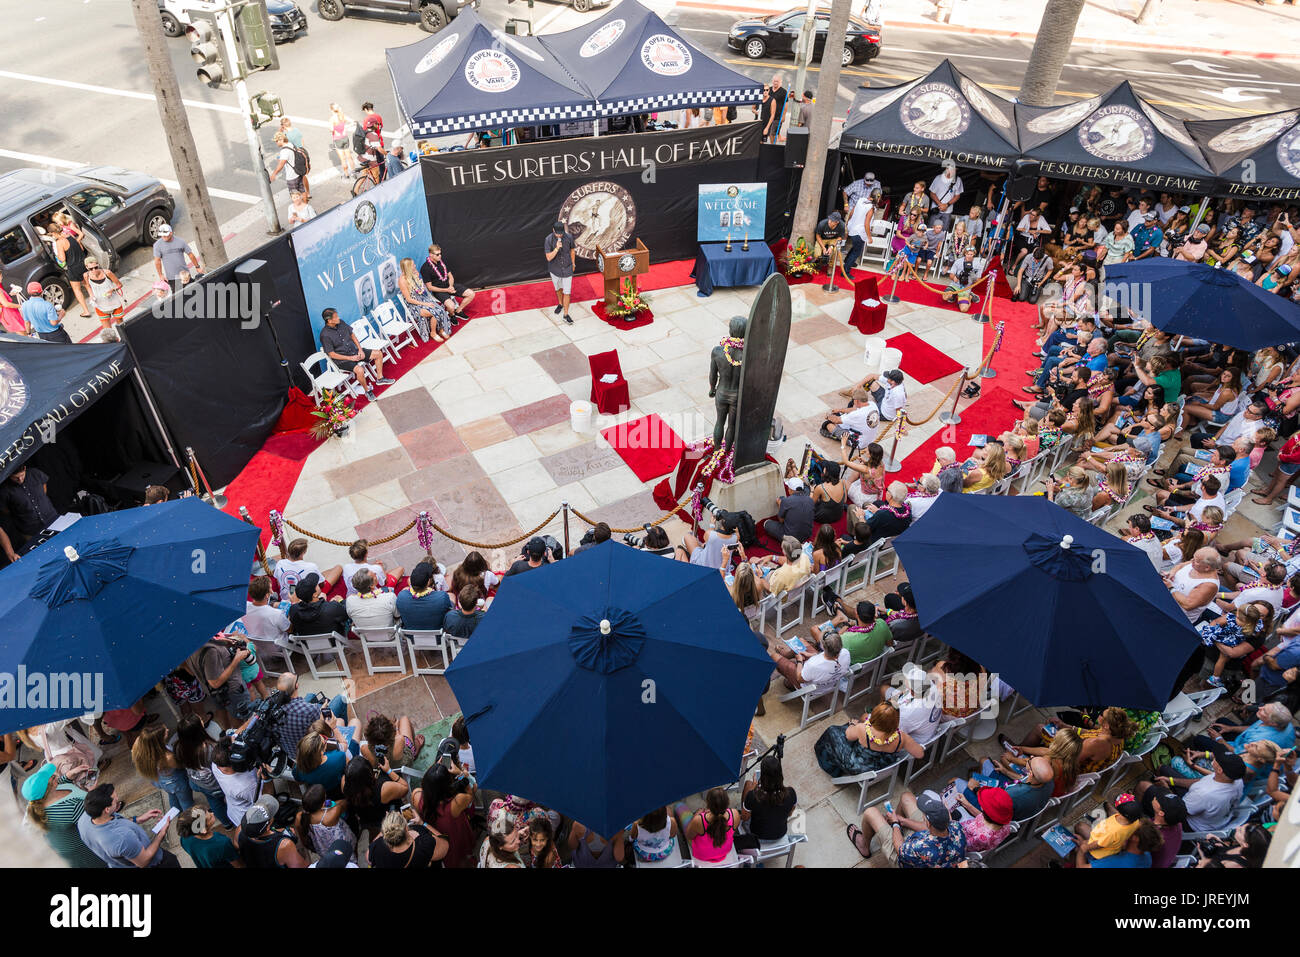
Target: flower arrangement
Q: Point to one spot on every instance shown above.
(628, 302)
(799, 260)
(333, 414)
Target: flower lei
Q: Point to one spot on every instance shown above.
(1143, 537)
(424, 532)
(277, 530)
(1204, 527)
(907, 510)
(900, 616)
(1048, 437)
(728, 343)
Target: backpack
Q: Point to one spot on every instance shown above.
(301, 161)
(731, 114)
(358, 139)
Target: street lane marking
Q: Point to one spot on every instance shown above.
(59, 163)
(137, 95)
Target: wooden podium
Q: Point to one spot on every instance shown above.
(626, 264)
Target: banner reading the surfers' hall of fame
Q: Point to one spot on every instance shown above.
(731, 210)
(348, 258)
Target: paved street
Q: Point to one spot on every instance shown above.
(81, 92)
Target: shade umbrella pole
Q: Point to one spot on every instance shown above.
(1200, 214)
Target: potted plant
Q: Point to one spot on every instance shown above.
(333, 414)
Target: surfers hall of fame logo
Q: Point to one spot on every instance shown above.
(600, 214)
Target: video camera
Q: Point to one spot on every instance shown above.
(256, 744)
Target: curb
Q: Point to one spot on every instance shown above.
(1022, 35)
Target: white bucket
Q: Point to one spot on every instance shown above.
(580, 415)
(892, 359)
(873, 354)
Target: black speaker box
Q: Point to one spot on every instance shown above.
(796, 146)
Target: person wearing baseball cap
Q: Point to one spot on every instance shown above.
(54, 804)
(263, 845)
(923, 836)
(1195, 246)
(1147, 236)
(171, 255)
(534, 555)
(1168, 813)
(311, 614)
(831, 233)
(1209, 799)
(44, 318)
(337, 855)
(561, 260)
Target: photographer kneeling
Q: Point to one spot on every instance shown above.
(297, 715)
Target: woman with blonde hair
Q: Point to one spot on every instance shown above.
(992, 468)
(1073, 494)
(1112, 489)
(156, 763)
(404, 844)
(1080, 420)
(430, 317)
(340, 141)
(747, 590)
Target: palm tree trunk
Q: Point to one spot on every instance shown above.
(1150, 13)
(1051, 46)
(807, 209)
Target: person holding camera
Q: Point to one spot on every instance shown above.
(445, 798)
(598, 535)
(718, 538)
(297, 715)
(371, 792)
(216, 664)
(241, 788)
(655, 540)
(534, 555)
(404, 845)
(388, 738)
(261, 844)
(1032, 272)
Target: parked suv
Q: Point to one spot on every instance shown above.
(114, 207)
(433, 14)
(287, 18)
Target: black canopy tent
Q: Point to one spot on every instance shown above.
(470, 76)
(1255, 158)
(79, 413)
(1117, 138)
(942, 115)
(631, 62)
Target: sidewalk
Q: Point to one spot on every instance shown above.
(1241, 28)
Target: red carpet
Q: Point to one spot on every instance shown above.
(990, 414)
(922, 361)
(643, 318)
(648, 445)
(541, 295)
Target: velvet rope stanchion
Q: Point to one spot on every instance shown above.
(986, 307)
(892, 464)
(987, 372)
(953, 417)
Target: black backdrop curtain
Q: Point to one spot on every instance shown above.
(289, 317)
(491, 210)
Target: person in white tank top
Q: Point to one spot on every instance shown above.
(1195, 584)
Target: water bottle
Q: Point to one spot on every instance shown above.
(808, 550)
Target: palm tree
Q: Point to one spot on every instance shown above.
(819, 128)
(1051, 46)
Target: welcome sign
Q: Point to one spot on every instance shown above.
(348, 259)
(734, 210)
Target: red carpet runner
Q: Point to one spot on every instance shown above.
(648, 445)
(922, 361)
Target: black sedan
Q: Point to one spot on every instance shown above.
(778, 35)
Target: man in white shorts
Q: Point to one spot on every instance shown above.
(560, 261)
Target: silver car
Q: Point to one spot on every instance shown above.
(114, 208)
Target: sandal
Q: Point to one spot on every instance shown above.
(1151, 508)
(113, 740)
(1262, 501)
(416, 746)
(853, 832)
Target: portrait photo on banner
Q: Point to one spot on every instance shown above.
(348, 258)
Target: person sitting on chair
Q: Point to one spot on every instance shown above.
(439, 280)
(964, 273)
(341, 345)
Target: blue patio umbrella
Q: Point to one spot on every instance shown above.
(1064, 612)
(1192, 299)
(122, 598)
(610, 684)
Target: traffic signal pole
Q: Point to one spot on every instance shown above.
(180, 141)
(273, 227)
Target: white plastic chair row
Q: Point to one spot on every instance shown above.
(328, 645)
(330, 378)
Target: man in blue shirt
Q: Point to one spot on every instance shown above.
(421, 606)
(1147, 237)
(118, 841)
(43, 316)
(1239, 470)
(1272, 723)
(396, 161)
(1273, 668)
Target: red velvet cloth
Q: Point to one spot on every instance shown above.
(867, 319)
(610, 398)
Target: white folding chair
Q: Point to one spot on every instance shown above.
(371, 338)
(1082, 785)
(432, 642)
(1232, 500)
(327, 645)
(884, 552)
(832, 577)
(791, 602)
(774, 850)
(933, 745)
(866, 672)
(868, 780)
(880, 241)
(807, 693)
(1240, 815)
(853, 578)
(673, 860)
(765, 607)
(1149, 744)
(381, 639)
(1003, 485)
(331, 378)
(1185, 707)
(397, 329)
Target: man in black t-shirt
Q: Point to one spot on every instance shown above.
(339, 343)
(312, 613)
(831, 231)
(534, 556)
(772, 125)
(25, 508)
(561, 258)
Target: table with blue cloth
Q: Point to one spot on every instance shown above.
(714, 266)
